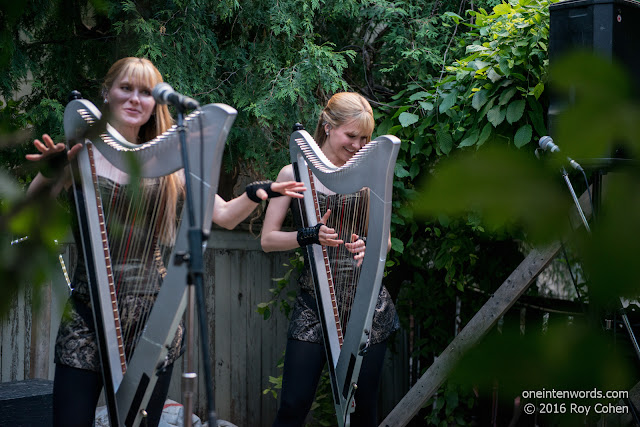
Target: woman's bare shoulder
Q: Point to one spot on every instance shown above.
(286, 174)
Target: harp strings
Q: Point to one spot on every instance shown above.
(135, 222)
(348, 217)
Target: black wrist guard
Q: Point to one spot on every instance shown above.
(53, 165)
(252, 190)
(309, 235)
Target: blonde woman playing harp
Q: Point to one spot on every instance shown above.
(344, 127)
(135, 115)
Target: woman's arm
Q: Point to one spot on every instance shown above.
(274, 239)
(230, 214)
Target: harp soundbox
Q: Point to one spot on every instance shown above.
(129, 379)
(346, 304)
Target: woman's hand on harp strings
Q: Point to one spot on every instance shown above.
(357, 247)
(327, 236)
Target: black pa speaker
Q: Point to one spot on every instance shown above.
(608, 28)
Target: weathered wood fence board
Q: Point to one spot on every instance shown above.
(15, 344)
(244, 347)
(27, 336)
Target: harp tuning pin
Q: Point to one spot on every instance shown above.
(144, 413)
(74, 95)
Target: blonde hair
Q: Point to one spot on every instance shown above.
(142, 71)
(342, 108)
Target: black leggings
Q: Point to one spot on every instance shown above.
(76, 392)
(303, 364)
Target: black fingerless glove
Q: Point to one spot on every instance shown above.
(52, 166)
(309, 235)
(252, 190)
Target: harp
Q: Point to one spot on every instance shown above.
(346, 311)
(129, 379)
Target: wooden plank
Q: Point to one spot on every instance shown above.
(46, 316)
(222, 372)
(40, 333)
(274, 335)
(394, 382)
(5, 344)
(506, 295)
(210, 279)
(277, 338)
(210, 293)
(233, 240)
(15, 339)
(200, 405)
(267, 343)
(27, 325)
(238, 336)
(254, 337)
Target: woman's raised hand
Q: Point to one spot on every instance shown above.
(47, 148)
(288, 188)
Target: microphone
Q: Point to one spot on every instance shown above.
(163, 93)
(546, 144)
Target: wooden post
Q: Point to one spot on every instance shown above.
(501, 301)
(506, 295)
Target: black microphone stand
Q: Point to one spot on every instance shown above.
(565, 175)
(195, 294)
(597, 201)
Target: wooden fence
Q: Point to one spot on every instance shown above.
(245, 348)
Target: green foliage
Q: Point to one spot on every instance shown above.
(275, 382)
(486, 90)
(526, 192)
(322, 409)
(283, 295)
(448, 407)
(266, 60)
(491, 94)
(575, 354)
